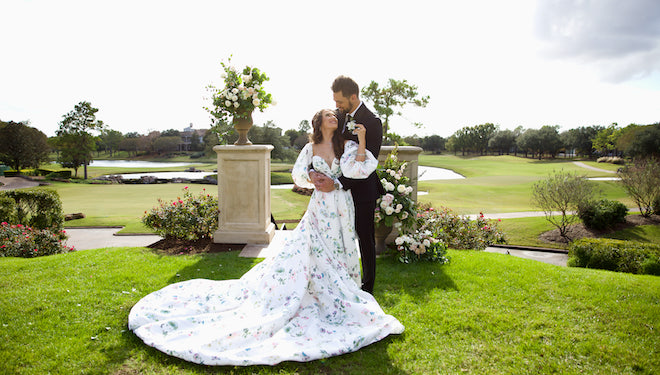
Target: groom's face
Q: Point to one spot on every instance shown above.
(343, 103)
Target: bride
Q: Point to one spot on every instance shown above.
(301, 304)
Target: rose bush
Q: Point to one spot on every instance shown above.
(460, 232)
(17, 240)
(188, 218)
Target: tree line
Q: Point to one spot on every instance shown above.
(588, 141)
(23, 146)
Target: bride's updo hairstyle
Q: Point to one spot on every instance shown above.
(316, 136)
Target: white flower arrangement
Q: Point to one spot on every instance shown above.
(242, 94)
(396, 205)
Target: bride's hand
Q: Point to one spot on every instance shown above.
(361, 132)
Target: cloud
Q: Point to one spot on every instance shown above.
(620, 38)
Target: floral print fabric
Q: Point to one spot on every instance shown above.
(301, 304)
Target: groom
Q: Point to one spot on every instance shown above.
(365, 192)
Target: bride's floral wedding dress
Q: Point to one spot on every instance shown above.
(301, 304)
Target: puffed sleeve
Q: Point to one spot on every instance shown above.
(300, 172)
(357, 169)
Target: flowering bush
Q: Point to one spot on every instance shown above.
(396, 207)
(460, 232)
(421, 244)
(242, 94)
(17, 240)
(188, 218)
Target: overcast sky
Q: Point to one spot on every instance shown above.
(146, 64)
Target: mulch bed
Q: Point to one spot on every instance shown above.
(577, 231)
(181, 247)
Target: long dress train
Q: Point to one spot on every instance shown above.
(301, 304)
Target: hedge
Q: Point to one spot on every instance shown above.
(37, 208)
(615, 255)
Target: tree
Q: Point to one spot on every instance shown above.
(502, 141)
(559, 196)
(395, 94)
(640, 141)
(481, 135)
(549, 139)
(22, 146)
(580, 140)
(269, 134)
(166, 144)
(642, 182)
(76, 144)
(606, 139)
(110, 140)
(433, 143)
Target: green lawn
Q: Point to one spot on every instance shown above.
(483, 313)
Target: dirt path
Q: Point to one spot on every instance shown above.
(581, 164)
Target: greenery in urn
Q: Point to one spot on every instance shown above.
(395, 208)
(242, 93)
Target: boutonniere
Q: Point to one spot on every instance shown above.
(350, 125)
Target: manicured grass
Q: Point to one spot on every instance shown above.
(525, 231)
(483, 313)
(504, 165)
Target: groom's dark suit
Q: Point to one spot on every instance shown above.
(365, 193)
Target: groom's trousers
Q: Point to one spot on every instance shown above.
(364, 226)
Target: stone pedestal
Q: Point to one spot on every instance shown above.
(244, 195)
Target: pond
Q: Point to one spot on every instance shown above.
(135, 164)
(424, 173)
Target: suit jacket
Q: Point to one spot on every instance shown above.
(368, 189)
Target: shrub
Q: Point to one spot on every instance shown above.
(602, 214)
(642, 182)
(615, 255)
(37, 208)
(610, 159)
(459, 232)
(191, 218)
(562, 192)
(17, 240)
(8, 209)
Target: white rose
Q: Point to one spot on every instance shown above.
(247, 78)
(404, 216)
(389, 210)
(236, 104)
(401, 189)
(392, 173)
(399, 241)
(234, 90)
(227, 103)
(241, 87)
(399, 207)
(427, 243)
(256, 102)
(389, 186)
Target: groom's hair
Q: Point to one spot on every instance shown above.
(346, 85)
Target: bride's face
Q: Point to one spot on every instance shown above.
(329, 120)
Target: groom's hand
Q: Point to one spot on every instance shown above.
(322, 182)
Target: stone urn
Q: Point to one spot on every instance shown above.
(381, 233)
(242, 124)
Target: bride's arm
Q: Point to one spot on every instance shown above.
(300, 172)
(352, 167)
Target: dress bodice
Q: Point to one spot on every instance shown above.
(320, 165)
